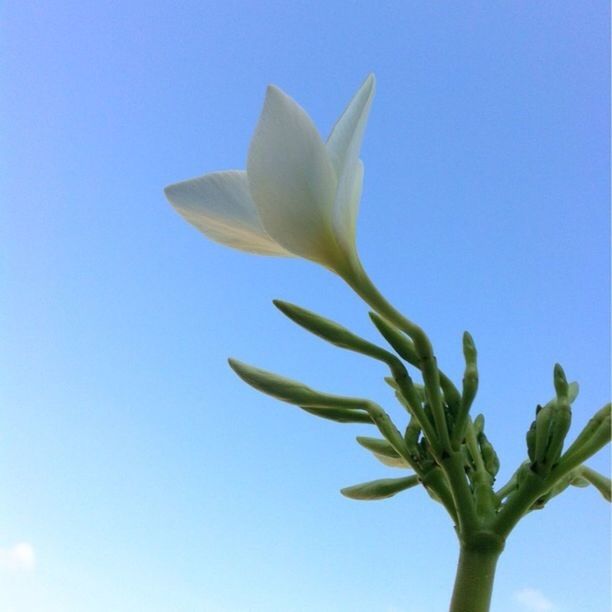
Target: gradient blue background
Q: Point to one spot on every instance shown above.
(143, 473)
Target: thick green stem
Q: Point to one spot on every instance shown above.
(475, 575)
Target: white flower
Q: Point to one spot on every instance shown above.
(299, 195)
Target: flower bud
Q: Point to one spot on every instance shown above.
(383, 451)
(291, 391)
(339, 415)
(335, 333)
(489, 456)
(401, 343)
(379, 489)
(531, 438)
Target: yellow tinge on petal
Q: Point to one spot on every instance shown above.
(220, 206)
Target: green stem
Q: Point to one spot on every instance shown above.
(451, 462)
(435, 481)
(452, 465)
(408, 394)
(475, 575)
(506, 489)
(481, 479)
(519, 502)
(534, 486)
(360, 282)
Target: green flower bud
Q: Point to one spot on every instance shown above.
(599, 481)
(531, 438)
(469, 389)
(292, 391)
(560, 419)
(469, 348)
(479, 422)
(572, 393)
(383, 451)
(573, 478)
(403, 401)
(559, 426)
(411, 437)
(450, 416)
(542, 434)
(297, 393)
(401, 343)
(378, 446)
(391, 382)
(489, 456)
(468, 462)
(343, 338)
(405, 348)
(579, 481)
(380, 489)
(595, 428)
(335, 333)
(407, 393)
(560, 381)
(339, 415)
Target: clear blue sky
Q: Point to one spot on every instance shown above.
(141, 472)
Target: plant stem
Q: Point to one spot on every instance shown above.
(357, 278)
(474, 580)
(450, 461)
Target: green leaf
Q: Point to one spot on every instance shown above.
(379, 489)
(383, 451)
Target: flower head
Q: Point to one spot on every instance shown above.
(299, 195)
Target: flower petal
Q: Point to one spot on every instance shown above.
(347, 208)
(292, 180)
(344, 144)
(220, 205)
(347, 133)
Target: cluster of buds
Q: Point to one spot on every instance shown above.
(424, 447)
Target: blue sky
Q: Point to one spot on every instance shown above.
(138, 473)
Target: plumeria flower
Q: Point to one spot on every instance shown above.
(299, 195)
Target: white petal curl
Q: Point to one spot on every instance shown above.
(220, 205)
(292, 180)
